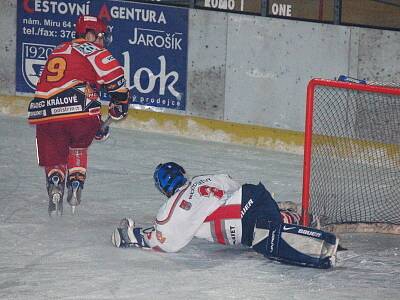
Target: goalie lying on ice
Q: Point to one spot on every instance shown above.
(216, 208)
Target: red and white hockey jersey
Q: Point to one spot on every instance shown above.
(65, 88)
(208, 207)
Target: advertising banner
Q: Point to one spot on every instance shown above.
(250, 6)
(150, 41)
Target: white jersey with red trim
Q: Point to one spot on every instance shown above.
(209, 207)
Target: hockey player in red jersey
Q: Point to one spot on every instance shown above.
(66, 108)
(218, 209)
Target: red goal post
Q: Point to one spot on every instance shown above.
(352, 139)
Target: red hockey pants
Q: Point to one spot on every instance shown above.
(54, 139)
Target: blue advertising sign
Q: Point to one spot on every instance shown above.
(150, 41)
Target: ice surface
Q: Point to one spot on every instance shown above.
(72, 257)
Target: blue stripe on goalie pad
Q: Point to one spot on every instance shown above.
(294, 244)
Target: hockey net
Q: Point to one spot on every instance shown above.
(351, 176)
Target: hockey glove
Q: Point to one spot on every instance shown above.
(127, 235)
(120, 98)
(103, 133)
(118, 109)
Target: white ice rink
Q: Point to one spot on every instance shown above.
(72, 257)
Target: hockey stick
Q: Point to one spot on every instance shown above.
(106, 123)
(104, 131)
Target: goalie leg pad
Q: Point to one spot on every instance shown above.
(294, 244)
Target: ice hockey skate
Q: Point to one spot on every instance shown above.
(55, 189)
(75, 185)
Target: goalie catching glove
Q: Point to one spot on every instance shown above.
(127, 235)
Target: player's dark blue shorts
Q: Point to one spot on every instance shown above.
(257, 203)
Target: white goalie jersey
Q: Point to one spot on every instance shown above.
(208, 207)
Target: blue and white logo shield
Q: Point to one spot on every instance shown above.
(34, 57)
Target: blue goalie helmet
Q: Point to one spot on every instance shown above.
(169, 177)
